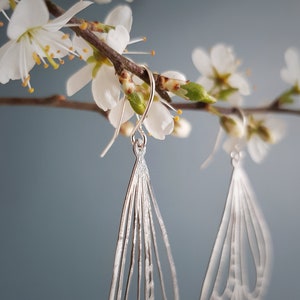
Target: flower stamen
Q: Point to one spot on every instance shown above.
(176, 118)
(137, 40)
(65, 36)
(36, 58)
(83, 25)
(26, 81)
(152, 52)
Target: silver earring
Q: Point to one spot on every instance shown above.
(137, 238)
(240, 264)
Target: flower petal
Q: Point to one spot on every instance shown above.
(58, 45)
(120, 15)
(106, 88)
(26, 61)
(182, 128)
(174, 75)
(82, 47)
(27, 14)
(202, 62)
(230, 144)
(257, 148)
(4, 4)
(239, 82)
(59, 22)
(291, 74)
(159, 121)
(206, 82)
(277, 128)
(15, 60)
(222, 59)
(118, 38)
(235, 99)
(115, 113)
(9, 61)
(79, 79)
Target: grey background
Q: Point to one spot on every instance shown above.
(60, 203)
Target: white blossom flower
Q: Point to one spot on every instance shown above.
(34, 37)
(219, 74)
(260, 133)
(291, 74)
(159, 122)
(99, 70)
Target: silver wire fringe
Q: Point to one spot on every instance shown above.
(243, 244)
(137, 235)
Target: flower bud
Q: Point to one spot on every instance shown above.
(265, 134)
(232, 125)
(137, 102)
(126, 128)
(195, 92)
(182, 128)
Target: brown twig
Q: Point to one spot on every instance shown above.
(120, 62)
(60, 101)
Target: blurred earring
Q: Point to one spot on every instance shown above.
(240, 263)
(137, 232)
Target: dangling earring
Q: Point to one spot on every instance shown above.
(137, 230)
(243, 244)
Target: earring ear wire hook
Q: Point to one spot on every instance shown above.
(138, 126)
(242, 115)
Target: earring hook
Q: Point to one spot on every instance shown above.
(242, 115)
(138, 126)
(237, 153)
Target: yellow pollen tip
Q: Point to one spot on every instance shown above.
(71, 57)
(1, 24)
(36, 58)
(153, 52)
(47, 48)
(80, 57)
(55, 66)
(144, 39)
(85, 50)
(179, 111)
(46, 66)
(83, 26)
(25, 81)
(61, 61)
(31, 90)
(65, 36)
(71, 48)
(57, 51)
(176, 118)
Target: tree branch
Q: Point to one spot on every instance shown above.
(120, 62)
(60, 101)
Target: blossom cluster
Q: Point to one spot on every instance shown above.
(222, 79)
(35, 39)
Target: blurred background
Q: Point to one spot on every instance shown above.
(60, 203)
